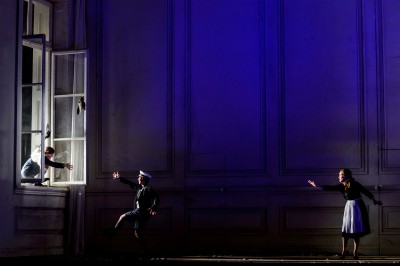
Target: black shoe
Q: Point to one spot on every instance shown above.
(40, 184)
(344, 254)
(355, 256)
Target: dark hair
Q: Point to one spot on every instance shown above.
(49, 150)
(347, 173)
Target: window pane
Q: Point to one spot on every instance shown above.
(30, 155)
(78, 172)
(32, 61)
(63, 74)
(31, 108)
(79, 82)
(78, 120)
(63, 112)
(70, 74)
(70, 152)
(41, 19)
(62, 155)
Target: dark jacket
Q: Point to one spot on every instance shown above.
(146, 197)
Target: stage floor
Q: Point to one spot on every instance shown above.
(285, 259)
(199, 260)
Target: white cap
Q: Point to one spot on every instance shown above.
(143, 173)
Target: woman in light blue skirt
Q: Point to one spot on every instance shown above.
(355, 217)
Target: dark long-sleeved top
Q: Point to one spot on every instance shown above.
(352, 193)
(53, 164)
(146, 197)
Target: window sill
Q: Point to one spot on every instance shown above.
(30, 189)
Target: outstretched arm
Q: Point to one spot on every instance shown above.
(57, 165)
(367, 193)
(125, 180)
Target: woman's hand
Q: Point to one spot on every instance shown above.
(115, 175)
(377, 202)
(312, 183)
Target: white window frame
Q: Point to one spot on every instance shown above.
(42, 24)
(37, 43)
(37, 35)
(73, 179)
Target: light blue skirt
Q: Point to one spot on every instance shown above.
(355, 219)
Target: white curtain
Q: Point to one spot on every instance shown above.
(76, 215)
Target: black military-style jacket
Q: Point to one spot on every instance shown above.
(146, 197)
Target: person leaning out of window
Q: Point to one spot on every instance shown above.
(31, 168)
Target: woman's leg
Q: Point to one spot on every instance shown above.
(345, 240)
(356, 245)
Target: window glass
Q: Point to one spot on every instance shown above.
(33, 91)
(63, 111)
(41, 18)
(62, 154)
(69, 113)
(69, 73)
(37, 16)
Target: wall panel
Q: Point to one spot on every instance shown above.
(136, 87)
(225, 87)
(389, 67)
(322, 117)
